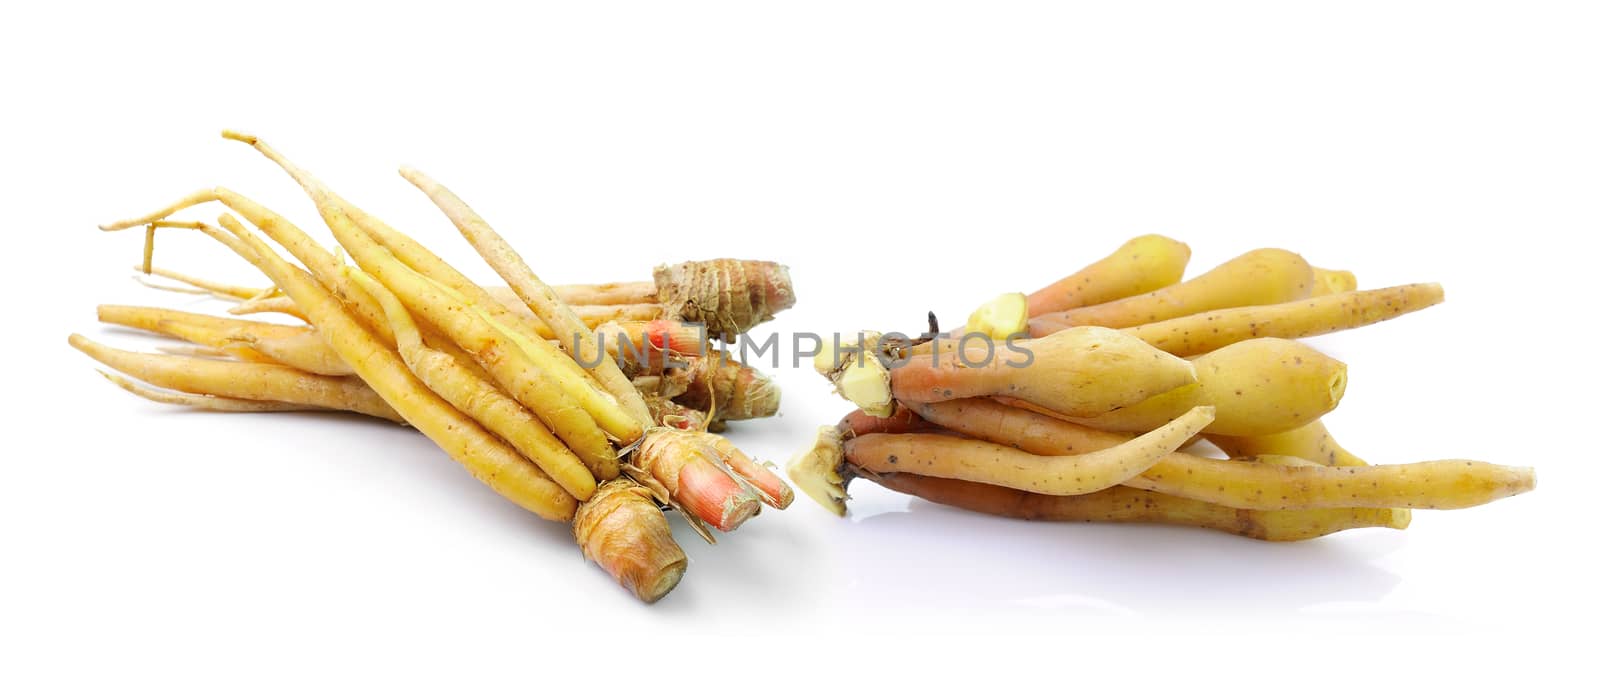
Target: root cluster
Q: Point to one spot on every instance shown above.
(517, 383)
(1105, 379)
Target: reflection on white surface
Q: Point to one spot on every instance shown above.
(946, 558)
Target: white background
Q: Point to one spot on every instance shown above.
(900, 158)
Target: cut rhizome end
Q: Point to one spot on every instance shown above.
(819, 470)
(858, 373)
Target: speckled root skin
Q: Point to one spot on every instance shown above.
(1260, 386)
(1082, 371)
(729, 296)
(1141, 265)
(940, 455)
(1260, 277)
(621, 529)
(1129, 505)
(1208, 331)
(1311, 442)
(1275, 482)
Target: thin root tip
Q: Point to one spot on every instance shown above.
(415, 177)
(240, 137)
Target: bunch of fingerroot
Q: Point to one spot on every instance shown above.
(516, 383)
(1083, 401)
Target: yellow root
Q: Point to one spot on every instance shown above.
(543, 386)
(194, 351)
(216, 341)
(408, 251)
(203, 401)
(1275, 484)
(939, 455)
(642, 292)
(490, 460)
(1141, 265)
(295, 346)
(1130, 505)
(591, 316)
(479, 399)
(533, 371)
(1311, 442)
(156, 319)
(1079, 371)
(306, 351)
(244, 380)
(1208, 331)
(269, 305)
(1261, 277)
(221, 290)
(572, 334)
(318, 260)
(1260, 386)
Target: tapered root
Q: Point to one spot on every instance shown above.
(1141, 265)
(1272, 484)
(1208, 331)
(203, 401)
(159, 320)
(1260, 277)
(200, 285)
(247, 380)
(1129, 505)
(964, 459)
(570, 331)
